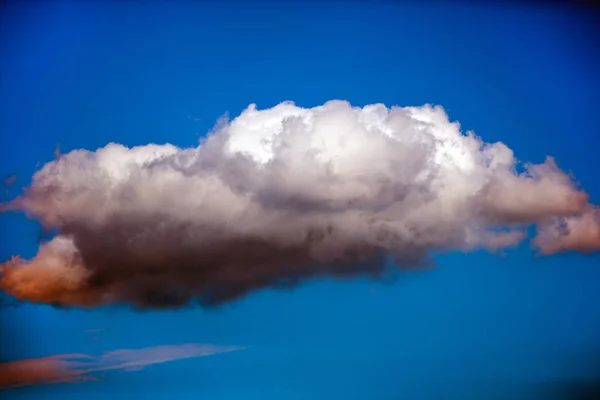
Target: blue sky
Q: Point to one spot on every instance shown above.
(478, 326)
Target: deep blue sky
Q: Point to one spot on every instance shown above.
(479, 326)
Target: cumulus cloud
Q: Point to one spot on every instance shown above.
(281, 195)
(73, 368)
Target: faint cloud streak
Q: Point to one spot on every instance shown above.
(73, 368)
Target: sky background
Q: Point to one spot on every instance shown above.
(513, 326)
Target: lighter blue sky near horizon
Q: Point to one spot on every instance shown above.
(512, 326)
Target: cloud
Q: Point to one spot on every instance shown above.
(9, 181)
(281, 195)
(581, 233)
(45, 370)
(73, 368)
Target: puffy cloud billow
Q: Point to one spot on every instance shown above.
(281, 195)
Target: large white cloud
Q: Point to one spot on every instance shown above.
(279, 195)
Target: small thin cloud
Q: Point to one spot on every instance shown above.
(45, 370)
(95, 333)
(73, 368)
(8, 183)
(9, 180)
(57, 152)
